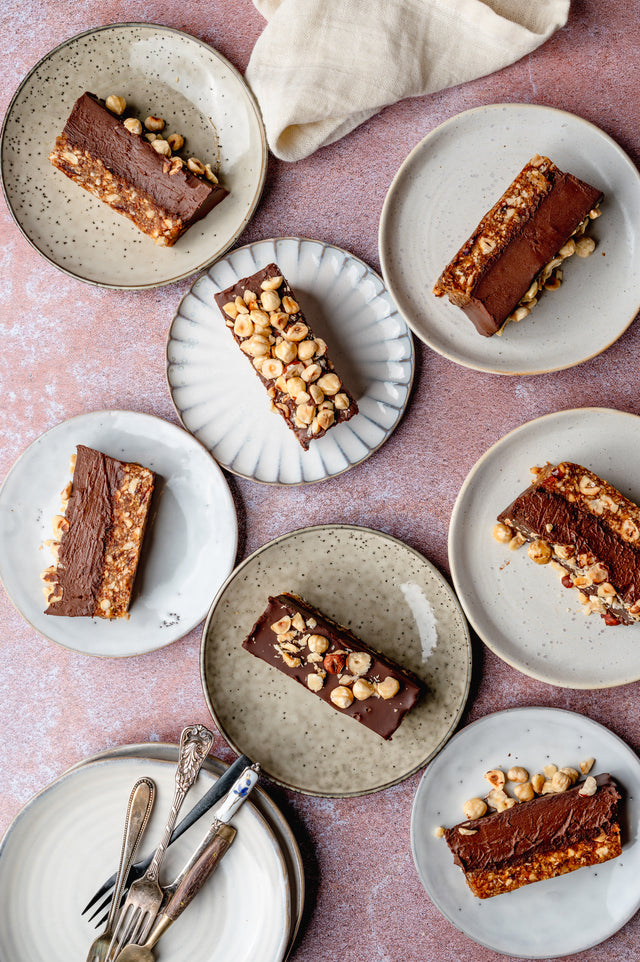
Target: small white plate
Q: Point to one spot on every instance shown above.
(390, 597)
(189, 547)
(547, 919)
(66, 841)
(520, 609)
(221, 401)
(452, 178)
(274, 818)
(159, 71)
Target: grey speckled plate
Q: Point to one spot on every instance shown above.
(389, 596)
(158, 71)
(437, 198)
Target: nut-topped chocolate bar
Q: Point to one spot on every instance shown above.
(108, 156)
(98, 539)
(328, 660)
(265, 319)
(517, 249)
(535, 840)
(585, 527)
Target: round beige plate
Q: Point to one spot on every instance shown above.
(269, 811)
(158, 71)
(437, 198)
(389, 596)
(66, 841)
(520, 609)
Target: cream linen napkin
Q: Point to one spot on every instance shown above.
(321, 67)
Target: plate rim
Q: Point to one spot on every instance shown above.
(385, 216)
(93, 414)
(139, 750)
(465, 632)
(411, 359)
(151, 285)
(520, 709)
(459, 582)
(101, 761)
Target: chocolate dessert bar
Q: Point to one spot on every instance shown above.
(537, 840)
(100, 537)
(572, 517)
(161, 195)
(330, 661)
(519, 244)
(267, 323)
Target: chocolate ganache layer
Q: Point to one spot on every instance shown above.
(545, 824)
(314, 651)
(93, 128)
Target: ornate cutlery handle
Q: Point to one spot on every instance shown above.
(138, 812)
(195, 744)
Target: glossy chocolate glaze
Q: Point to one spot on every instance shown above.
(538, 507)
(508, 277)
(95, 129)
(545, 824)
(89, 512)
(380, 715)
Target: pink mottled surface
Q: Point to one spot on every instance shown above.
(67, 349)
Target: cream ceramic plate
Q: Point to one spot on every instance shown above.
(67, 840)
(388, 595)
(267, 809)
(222, 402)
(159, 71)
(520, 609)
(556, 917)
(453, 177)
(189, 547)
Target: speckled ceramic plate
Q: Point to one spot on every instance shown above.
(269, 811)
(189, 547)
(452, 178)
(53, 857)
(520, 609)
(556, 917)
(389, 596)
(157, 70)
(222, 402)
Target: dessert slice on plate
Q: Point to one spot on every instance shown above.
(99, 538)
(331, 662)
(585, 527)
(539, 839)
(266, 321)
(517, 248)
(107, 155)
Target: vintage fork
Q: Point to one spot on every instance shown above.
(138, 812)
(217, 791)
(145, 896)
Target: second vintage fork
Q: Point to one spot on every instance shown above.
(145, 896)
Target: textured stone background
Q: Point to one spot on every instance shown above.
(68, 348)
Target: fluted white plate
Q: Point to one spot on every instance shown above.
(65, 842)
(520, 609)
(221, 401)
(559, 916)
(453, 177)
(158, 70)
(189, 546)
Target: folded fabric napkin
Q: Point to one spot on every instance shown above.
(321, 67)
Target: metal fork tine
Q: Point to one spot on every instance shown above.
(101, 908)
(102, 891)
(121, 932)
